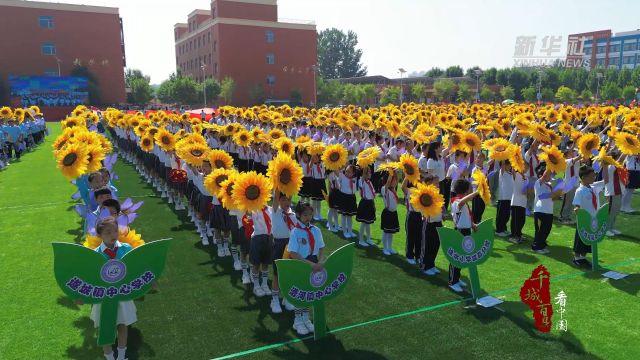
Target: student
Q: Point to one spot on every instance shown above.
(518, 206)
(413, 226)
(366, 209)
(570, 174)
(632, 164)
(284, 220)
(543, 209)
(307, 176)
(477, 205)
(389, 223)
(319, 186)
(430, 238)
(260, 251)
(457, 169)
(436, 167)
(613, 186)
(334, 204)
(463, 223)
(347, 200)
(586, 198)
(111, 248)
(531, 158)
(306, 244)
(504, 199)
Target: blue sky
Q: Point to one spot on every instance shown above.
(413, 34)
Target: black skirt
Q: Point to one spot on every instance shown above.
(347, 204)
(319, 185)
(334, 197)
(366, 212)
(203, 206)
(389, 221)
(306, 188)
(634, 179)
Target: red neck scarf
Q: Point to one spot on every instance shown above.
(312, 240)
(288, 221)
(111, 253)
(267, 220)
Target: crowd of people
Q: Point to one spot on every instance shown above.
(239, 175)
(20, 130)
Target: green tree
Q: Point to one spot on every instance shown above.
(586, 95)
(369, 92)
(164, 92)
(489, 76)
(518, 80)
(471, 72)
(185, 90)
(629, 92)
(227, 87)
(92, 83)
(434, 72)
(213, 90)
(486, 94)
(418, 91)
(329, 91)
(390, 95)
(624, 77)
(256, 94)
(444, 89)
(295, 97)
(454, 71)
(141, 91)
(338, 56)
(353, 94)
(529, 93)
(611, 91)
(551, 78)
(464, 92)
(548, 94)
(507, 92)
(502, 76)
(565, 94)
(635, 76)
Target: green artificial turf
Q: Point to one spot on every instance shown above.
(202, 310)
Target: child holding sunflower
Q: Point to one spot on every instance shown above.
(504, 199)
(463, 222)
(319, 186)
(366, 208)
(518, 205)
(389, 223)
(334, 192)
(307, 175)
(430, 238)
(543, 209)
(347, 199)
(284, 221)
(570, 175)
(587, 198)
(413, 225)
(613, 185)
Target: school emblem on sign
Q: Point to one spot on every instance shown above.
(113, 271)
(318, 279)
(468, 244)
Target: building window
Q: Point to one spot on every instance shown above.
(629, 59)
(51, 72)
(601, 49)
(271, 59)
(215, 45)
(614, 61)
(271, 79)
(587, 51)
(614, 48)
(46, 22)
(629, 46)
(599, 62)
(209, 59)
(215, 68)
(269, 36)
(208, 38)
(48, 49)
(198, 42)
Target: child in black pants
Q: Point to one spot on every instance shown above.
(463, 222)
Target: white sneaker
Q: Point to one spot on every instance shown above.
(170, 200)
(456, 287)
(610, 233)
(429, 272)
(363, 243)
(209, 231)
(411, 261)
(257, 291)
(275, 306)
(265, 289)
(371, 243)
(205, 240)
(386, 252)
(287, 305)
(246, 278)
(627, 210)
(237, 266)
(393, 252)
(462, 283)
(328, 226)
(227, 252)
(300, 327)
(435, 270)
(616, 231)
(502, 234)
(346, 235)
(309, 325)
(334, 230)
(220, 250)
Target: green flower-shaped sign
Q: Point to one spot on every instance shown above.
(304, 288)
(468, 251)
(84, 274)
(593, 229)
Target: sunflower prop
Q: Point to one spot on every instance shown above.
(501, 149)
(427, 200)
(409, 166)
(605, 158)
(368, 156)
(482, 185)
(425, 134)
(132, 238)
(553, 158)
(389, 167)
(587, 144)
(275, 134)
(470, 142)
(194, 154)
(146, 143)
(242, 138)
(251, 192)
(285, 145)
(285, 174)
(95, 155)
(314, 148)
(220, 159)
(516, 159)
(627, 143)
(226, 192)
(213, 181)
(6, 112)
(165, 140)
(334, 157)
(73, 160)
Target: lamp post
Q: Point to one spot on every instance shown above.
(598, 77)
(204, 83)
(539, 94)
(58, 61)
(315, 89)
(401, 71)
(478, 72)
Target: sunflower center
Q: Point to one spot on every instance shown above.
(426, 200)
(334, 157)
(285, 147)
(196, 152)
(285, 176)
(500, 148)
(65, 141)
(629, 140)
(220, 179)
(252, 192)
(146, 142)
(409, 169)
(165, 140)
(243, 138)
(553, 160)
(69, 159)
(590, 144)
(219, 163)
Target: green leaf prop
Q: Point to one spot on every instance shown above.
(468, 251)
(592, 230)
(304, 288)
(84, 274)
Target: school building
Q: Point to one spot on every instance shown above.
(244, 40)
